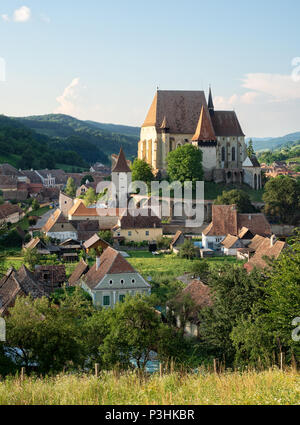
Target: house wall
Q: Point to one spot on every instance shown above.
(139, 235)
(114, 290)
(63, 235)
(212, 242)
(13, 218)
(65, 203)
(230, 251)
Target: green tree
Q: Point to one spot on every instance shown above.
(90, 197)
(234, 293)
(282, 199)
(70, 187)
(35, 205)
(185, 164)
(142, 171)
(107, 236)
(31, 258)
(250, 149)
(86, 178)
(238, 197)
(188, 250)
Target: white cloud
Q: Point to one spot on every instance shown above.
(67, 101)
(277, 87)
(5, 18)
(23, 14)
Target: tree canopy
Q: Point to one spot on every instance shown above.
(185, 164)
(142, 171)
(238, 197)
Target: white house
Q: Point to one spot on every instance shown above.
(112, 278)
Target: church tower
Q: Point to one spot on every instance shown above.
(121, 177)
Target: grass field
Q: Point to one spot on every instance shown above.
(213, 190)
(167, 266)
(271, 387)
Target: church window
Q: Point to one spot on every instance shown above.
(223, 154)
(233, 154)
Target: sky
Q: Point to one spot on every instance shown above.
(103, 60)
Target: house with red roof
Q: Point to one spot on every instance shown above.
(112, 278)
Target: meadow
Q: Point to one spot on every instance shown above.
(271, 387)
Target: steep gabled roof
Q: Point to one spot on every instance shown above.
(181, 109)
(111, 262)
(56, 218)
(121, 164)
(93, 240)
(232, 242)
(176, 237)
(204, 131)
(226, 124)
(131, 219)
(79, 271)
(7, 209)
(265, 249)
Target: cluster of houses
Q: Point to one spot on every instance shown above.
(75, 226)
(281, 168)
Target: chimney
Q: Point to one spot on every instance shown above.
(273, 239)
(98, 262)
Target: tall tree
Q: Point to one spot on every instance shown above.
(282, 199)
(70, 188)
(185, 164)
(250, 149)
(238, 197)
(142, 171)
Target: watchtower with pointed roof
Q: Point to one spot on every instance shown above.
(121, 177)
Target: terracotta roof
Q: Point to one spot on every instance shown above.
(265, 249)
(181, 109)
(121, 164)
(200, 294)
(226, 124)
(204, 131)
(8, 182)
(86, 229)
(56, 217)
(164, 124)
(79, 271)
(14, 283)
(176, 237)
(111, 262)
(15, 195)
(93, 240)
(32, 176)
(9, 170)
(132, 220)
(51, 277)
(7, 209)
(230, 241)
(254, 161)
(33, 243)
(226, 220)
(256, 241)
(243, 232)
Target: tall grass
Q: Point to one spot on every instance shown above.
(271, 387)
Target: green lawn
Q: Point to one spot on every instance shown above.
(167, 267)
(24, 224)
(213, 190)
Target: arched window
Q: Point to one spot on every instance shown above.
(233, 154)
(223, 154)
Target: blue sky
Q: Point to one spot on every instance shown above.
(102, 60)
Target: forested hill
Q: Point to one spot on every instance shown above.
(24, 148)
(275, 142)
(66, 130)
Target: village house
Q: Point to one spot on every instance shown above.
(65, 203)
(187, 304)
(230, 245)
(86, 229)
(10, 213)
(112, 278)
(80, 270)
(41, 247)
(69, 250)
(133, 226)
(96, 243)
(51, 277)
(18, 283)
(58, 227)
(177, 242)
(227, 221)
(266, 248)
(52, 178)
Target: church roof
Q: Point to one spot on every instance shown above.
(210, 101)
(121, 164)
(204, 131)
(181, 109)
(164, 124)
(226, 124)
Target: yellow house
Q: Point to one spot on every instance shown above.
(138, 228)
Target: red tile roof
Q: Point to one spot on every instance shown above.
(111, 262)
(265, 249)
(79, 271)
(121, 164)
(204, 131)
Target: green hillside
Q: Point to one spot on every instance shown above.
(275, 142)
(288, 152)
(23, 148)
(102, 140)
